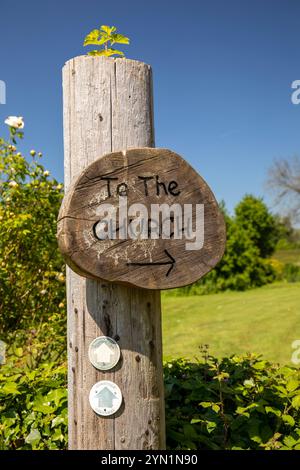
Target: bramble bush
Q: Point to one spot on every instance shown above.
(33, 401)
(232, 403)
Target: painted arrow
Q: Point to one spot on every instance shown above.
(170, 262)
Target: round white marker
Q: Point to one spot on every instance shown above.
(105, 398)
(104, 353)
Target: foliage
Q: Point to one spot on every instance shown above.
(105, 36)
(252, 235)
(33, 400)
(32, 308)
(261, 226)
(291, 273)
(233, 403)
(32, 286)
(289, 238)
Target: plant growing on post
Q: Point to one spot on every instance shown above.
(106, 37)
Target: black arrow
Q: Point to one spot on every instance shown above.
(162, 263)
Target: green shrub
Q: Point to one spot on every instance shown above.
(252, 235)
(233, 403)
(32, 283)
(241, 268)
(33, 402)
(262, 227)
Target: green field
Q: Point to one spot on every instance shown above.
(264, 320)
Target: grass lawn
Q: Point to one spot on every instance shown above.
(264, 320)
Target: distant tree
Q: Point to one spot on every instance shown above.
(263, 229)
(289, 235)
(284, 182)
(252, 236)
(242, 267)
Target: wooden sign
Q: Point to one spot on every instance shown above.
(141, 217)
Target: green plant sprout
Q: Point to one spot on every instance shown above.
(107, 37)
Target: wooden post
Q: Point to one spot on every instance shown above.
(108, 107)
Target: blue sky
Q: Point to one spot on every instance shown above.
(222, 78)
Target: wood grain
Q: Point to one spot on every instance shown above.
(108, 107)
(148, 176)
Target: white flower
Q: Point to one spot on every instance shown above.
(46, 173)
(13, 184)
(249, 383)
(43, 292)
(15, 121)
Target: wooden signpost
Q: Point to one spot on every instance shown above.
(135, 219)
(141, 217)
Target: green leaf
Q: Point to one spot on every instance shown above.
(58, 435)
(104, 38)
(56, 395)
(57, 421)
(111, 52)
(259, 365)
(92, 38)
(216, 408)
(108, 29)
(33, 437)
(205, 404)
(10, 388)
(292, 385)
(210, 426)
(42, 405)
(242, 411)
(19, 352)
(106, 52)
(119, 38)
(296, 402)
(289, 441)
(288, 419)
(96, 52)
(270, 409)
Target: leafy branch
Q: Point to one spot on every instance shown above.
(106, 37)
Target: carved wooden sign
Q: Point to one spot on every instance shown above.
(141, 217)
